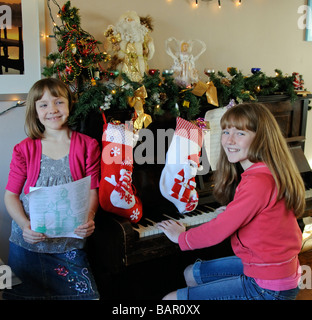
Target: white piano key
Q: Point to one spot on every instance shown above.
(154, 229)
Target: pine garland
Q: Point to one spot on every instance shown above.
(243, 88)
(163, 94)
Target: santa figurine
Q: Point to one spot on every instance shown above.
(130, 45)
(298, 81)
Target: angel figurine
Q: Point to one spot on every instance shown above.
(185, 73)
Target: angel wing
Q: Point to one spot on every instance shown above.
(173, 47)
(198, 48)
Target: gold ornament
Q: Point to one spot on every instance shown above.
(137, 102)
(186, 104)
(210, 90)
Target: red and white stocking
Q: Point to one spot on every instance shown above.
(116, 192)
(177, 181)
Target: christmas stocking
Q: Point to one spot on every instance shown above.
(116, 192)
(177, 181)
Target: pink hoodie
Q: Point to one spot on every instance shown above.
(264, 234)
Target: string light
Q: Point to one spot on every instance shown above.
(237, 2)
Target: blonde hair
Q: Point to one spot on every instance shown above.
(34, 129)
(268, 146)
(184, 45)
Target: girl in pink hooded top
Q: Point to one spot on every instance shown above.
(262, 207)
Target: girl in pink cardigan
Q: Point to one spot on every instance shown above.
(53, 154)
(262, 207)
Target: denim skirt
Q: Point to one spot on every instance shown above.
(50, 276)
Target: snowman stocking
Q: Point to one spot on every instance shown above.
(177, 181)
(116, 192)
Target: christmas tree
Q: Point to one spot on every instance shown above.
(78, 59)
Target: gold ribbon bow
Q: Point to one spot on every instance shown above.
(137, 102)
(210, 90)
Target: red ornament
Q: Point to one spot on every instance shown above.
(69, 69)
(152, 71)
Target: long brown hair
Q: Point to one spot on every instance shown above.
(268, 146)
(57, 88)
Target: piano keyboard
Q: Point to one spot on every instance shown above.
(148, 226)
(203, 213)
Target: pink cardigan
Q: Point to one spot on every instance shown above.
(264, 234)
(84, 160)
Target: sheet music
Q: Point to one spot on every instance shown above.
(213, 146)
(58, 210)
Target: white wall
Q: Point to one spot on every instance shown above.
(259, 33)
(11, 132)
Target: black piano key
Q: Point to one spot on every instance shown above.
(143, 222)
(202, 207)
(149, 223)
(175, 215)
(189, 214)
(197, 212)
(157, 218)
(205, 208)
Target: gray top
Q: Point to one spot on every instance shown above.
(52, 173)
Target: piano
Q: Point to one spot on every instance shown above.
(292, 119)
(117, 245)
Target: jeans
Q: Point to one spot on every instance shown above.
(223, 279)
